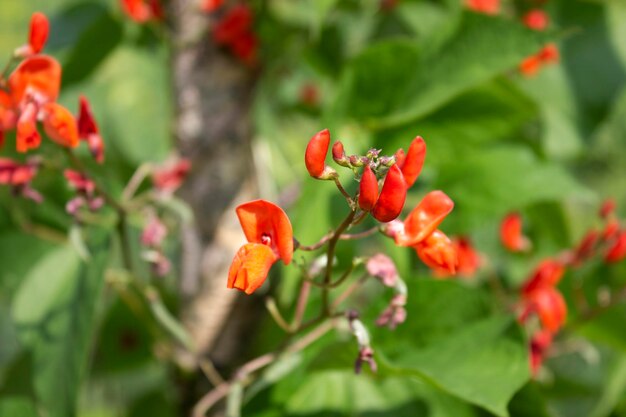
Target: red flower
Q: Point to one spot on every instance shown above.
(392, 196)
(424, 219)
(511, 233)
(411, 164)
(169, 176)
(438, 252)
(484, 6)
(88, 130)
(368, 190)
(586, 247)
(610, 230)
(60, 125)
(339, 155)
(79, 182)
(468, 259)
(270, 236)
(617, 250)
(37, 78)
(549, 54)
(37, 35)
(550, 306)
(142, 11)
(536, 19)
(315, 154)
(236, 22)
(547, 274)
(244, 47)
(607, 208)
(209, 6)
(14, 173)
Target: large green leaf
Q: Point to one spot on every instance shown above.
(390, 83)
(54, 314)
(17, 407)
(484, 364)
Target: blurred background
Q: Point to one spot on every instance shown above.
(549, 143)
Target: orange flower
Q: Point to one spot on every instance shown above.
(392, 196)
(315, 154)
(37, 78)
(550, 306)
(547, 274)
(368, 189)
(411, 164)
(424, 218)
(484, 6)
(511, 233)
(438, 252)
(60, 125)
(88, 130)
(39, 29)
(270, 236)
(536, 19)
(142, 11)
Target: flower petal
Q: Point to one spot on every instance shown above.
(250, 266)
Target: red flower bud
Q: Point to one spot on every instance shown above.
(339, 155)
(550, 306)
(511, 233)
(438, 252)
(549, 54)
(315, 155)
(547, 274)
(617, 251)
(400, 157)
(368, 190)
(425, 218)
(88, 130)
(530, 66)
(607, 208)
(414, 161)
(38, 35)
(536, 19)
(392, 196)
(484, 6)
(60, 125)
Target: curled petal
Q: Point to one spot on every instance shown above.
(438, 252)
(250, 267)
(368, 189)
(315, 155)
(60, 125)
(392, 196)
(39, 29)
(39, 77)
(547, 274)
(412, 166)
(266, 223)
(425, 218)
(511, 233)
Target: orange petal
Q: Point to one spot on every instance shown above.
(315, 154)
(550, 307)
(250, 266)
(412, 166)
(60, 125)
(511, 233)
(266, 223)
(392, 196)
(368, 189)
(547, 274)
(425, 218)
(39, 76)
(438, 252)
(27, 135)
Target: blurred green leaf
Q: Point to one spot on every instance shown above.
(17, 407)
(484, 364)
(54, 314)
(391, 84)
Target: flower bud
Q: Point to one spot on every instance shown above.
(392, 196)
(511, 233)
(400, 157)
(315, 154)
(339, 155)
(414, 162)
(387, 161)
(38, 35)
(358, 161)
(368, 190)
(536, 19)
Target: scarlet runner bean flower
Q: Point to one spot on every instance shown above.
(234, 31)
(37, 36)
(549, 54)
(511, 233)
(143, 11)
(392, 196)
(438, 252)
(315, 156)
(539, 344)
(547, 274)
(412, 163)
(210, 6)
(19, 176)
(536, 19)
(484, 6)
(468, 259)
(269, 233)
(88, 130)
(168, 177)
(617, 250)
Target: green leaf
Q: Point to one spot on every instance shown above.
(487, 184)
(54, 314)
(17, 407)
(484, 364)
(391, 84)
(94, 45)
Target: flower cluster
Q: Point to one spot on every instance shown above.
(539, 295)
